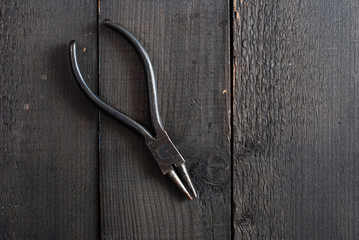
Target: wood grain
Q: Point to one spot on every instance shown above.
(48, 141)
(295, 120)
(296, 123)
(188, 43)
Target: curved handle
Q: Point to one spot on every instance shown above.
(97, 101)
(152, 90)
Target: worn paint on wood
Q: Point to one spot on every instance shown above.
(295, 120)
(296, 125)
(188, 43)
(48, 141)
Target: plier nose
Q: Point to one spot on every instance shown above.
(163, 150)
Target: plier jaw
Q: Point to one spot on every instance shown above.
(170, 161)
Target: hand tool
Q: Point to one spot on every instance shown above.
(163, 150)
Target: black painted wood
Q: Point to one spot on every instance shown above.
(188, 43)
(48, 141)
(296, 122)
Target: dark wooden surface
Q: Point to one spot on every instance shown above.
(259, 96)
(48, 140)
(296, 120)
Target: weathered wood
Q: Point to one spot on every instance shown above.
(295, 120)
(48, 141)
(188, 42)
(296, 123)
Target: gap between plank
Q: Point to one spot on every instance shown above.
(231, 57)
(98, 127)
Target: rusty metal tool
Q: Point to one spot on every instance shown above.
(163, 150)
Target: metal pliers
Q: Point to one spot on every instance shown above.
(163, 150)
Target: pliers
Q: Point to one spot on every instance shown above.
(163, 150)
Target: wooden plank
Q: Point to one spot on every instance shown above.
(296, 122)
(188, 42)
(48, 148)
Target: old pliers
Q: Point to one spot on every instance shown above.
(164, 151)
